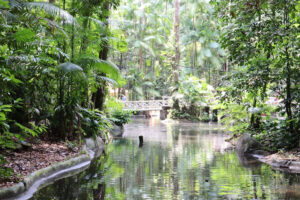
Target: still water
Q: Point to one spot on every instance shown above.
(178, 161)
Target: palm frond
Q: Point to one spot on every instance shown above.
(100, 23)
(147, 83)
(20, 59)
(151, 37)
(8, 16)
(108, 67)
(153, 92)
(69, 67)
(147, 47)
(101, 66)
(15, 4)
(55, 25)
(139, 90)
(106, 79)
(52, 10)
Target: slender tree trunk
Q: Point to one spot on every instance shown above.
(195, 55)
(209, 72)
(141, 59)
(64, 24)
(73, 33)
(252, 120)
(52, 18)
(85, 25)
(99, 96)
(72, 42)
(141, 35)
(194, 47)
(288, 100)
(177, 37)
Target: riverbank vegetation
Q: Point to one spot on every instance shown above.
(59, 59)
(54, 71)
(260, 93)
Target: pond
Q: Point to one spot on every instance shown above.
(178, 161)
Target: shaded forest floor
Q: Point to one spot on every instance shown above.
(24, 162)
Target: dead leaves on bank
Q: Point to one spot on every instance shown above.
(38, 157)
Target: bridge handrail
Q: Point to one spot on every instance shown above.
(147, 104)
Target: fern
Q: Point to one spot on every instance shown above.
(53, 11)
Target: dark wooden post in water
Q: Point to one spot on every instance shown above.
(215, 115)
(141, 140)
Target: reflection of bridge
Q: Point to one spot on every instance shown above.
(147, 105)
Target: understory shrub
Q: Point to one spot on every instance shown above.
(274, 136)
(12, 132)
(190, 100)
(93, 123)
(120, 117)
(116, 113)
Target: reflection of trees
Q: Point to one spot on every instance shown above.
(87, 185)
(188, 166)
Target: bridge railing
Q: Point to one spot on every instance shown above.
(147, 104)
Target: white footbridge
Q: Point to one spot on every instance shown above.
(148, 105)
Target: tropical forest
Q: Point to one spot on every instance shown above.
(149, 99)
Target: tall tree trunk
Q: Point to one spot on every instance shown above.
(141, 35)
(64, 24)
(194, 48)
(85, 25)
(52, 18)
(288, 100)
(121, 61)
(73, 33)
(99, 96)
(72, 42)
(177, 37)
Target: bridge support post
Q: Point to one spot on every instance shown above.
(164, 112)
(141, 139)
(215, 115)
(147, 114)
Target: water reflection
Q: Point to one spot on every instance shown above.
(180, 161)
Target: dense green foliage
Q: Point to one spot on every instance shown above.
(116, 113)
(145, 48)
(54, 69)
(57, 65)
(261, 90)
(50, 63)
(247, 50)
(147, 54)
(192, 97)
